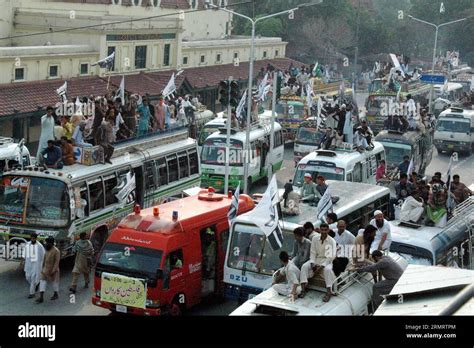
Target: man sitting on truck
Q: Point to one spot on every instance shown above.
(309, 231)
(389, 269)
(292, 274)
(309, 192)
(461, 191)
(345, 240)
(322, 254)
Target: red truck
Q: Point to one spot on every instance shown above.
(165, 259)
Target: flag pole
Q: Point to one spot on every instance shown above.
(108, 81)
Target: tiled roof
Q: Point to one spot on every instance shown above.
(29, 96)
(178, 4)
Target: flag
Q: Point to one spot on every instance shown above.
(241, 105)
(410, 167)
(265, 215)
(324, 204)
(62, 91)
(170, 87)
(309, 95)
(78, 106)
(234, 206)
(450, 166)
(107, 62)
(320, 109)
(121, 91)
(317, 70)
(450, 202)
(263, 88)
(396, 64)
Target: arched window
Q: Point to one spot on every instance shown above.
(137, 2)
(117, 2)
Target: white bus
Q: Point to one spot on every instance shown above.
(213, 156)
(341, 165)
(353, 293)
(455, 131)
(250, 261)
(93, 199)
(449, 246)
(13, 154)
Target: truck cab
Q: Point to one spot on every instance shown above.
(165, 259)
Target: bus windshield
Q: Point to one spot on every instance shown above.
(329, 173)
(34, 201)
(395, 152)
(251, 251)
(308, 136)
(134, 259)
(456, 126)
(213, 152)
(205, 132)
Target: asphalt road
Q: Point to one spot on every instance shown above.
(14, 288)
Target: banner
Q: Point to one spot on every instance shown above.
(123, 290)
(234, 206)
(324, 204)
(241, 105)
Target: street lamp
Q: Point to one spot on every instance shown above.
(209, 4)
(435, 47)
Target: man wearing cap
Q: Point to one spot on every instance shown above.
(309, 192)
(383, 236)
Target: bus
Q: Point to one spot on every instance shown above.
(380, 98)
(250, 261)
(414, 144)
(452, 91)
(341, 165)
(211, 127)
(13, 155)
(291, 111)
(449, 246)
(213, 156)
(455, 131)
(93, 199)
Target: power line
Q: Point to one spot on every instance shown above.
(51, 31)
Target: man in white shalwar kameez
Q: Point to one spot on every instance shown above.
(34, 255)
(292, 273)
(412, 208)
(47, 131)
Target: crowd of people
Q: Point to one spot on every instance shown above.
(104, 121)
(331, 249)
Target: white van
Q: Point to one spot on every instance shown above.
(453, 91)
(455, 131)
(213, 156)
(341, 165)
(13, 154)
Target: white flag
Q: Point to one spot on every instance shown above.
(170, 87)
(121, 91)
(410, 167)
(107, 62)
(324, 204)
(262, 88)
(241, 105)
(309, 96)
(234, 207)
(62, 91)
(396, 64)
(265, 215)
(320, 109)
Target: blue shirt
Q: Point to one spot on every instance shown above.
(52, 155)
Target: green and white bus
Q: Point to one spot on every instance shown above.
(93, 199)
(213, 156)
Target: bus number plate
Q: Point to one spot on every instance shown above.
(121, 309)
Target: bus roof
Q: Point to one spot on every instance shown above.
(255, 133)
(193, 211)
(452, 86)
(360, 194)
(410, 137)
(341, 158)
(11, 150)
(80, 171)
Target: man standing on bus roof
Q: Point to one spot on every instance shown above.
(301, 247)
(383, 237)
(34, 255)
(391, 272)
(322, 254)
(292, 273)
(403, 167)
(50, 271)
(309, 192)
(47, 130)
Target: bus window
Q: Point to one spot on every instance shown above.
(224, 241)
(349, 177)
(162, 172)
(183, 165)
(85, 200)
(193, 163)
(96, 193)
(355, 221)
(172, 168)
(150, 174)
(357, 173)
(110, 183)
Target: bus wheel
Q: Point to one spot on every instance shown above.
(98, 239)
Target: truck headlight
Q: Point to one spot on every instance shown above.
(152, 303)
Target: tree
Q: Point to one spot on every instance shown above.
(272, 27)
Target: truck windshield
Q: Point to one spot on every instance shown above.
(308, 136)
(213, 152)
(34, 201)
(329, 173)
(456, 126)
(251, 251)
(130, 259)
(394, 153)
(205, 132)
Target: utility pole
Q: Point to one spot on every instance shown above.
(227, 146)
(272, 129)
